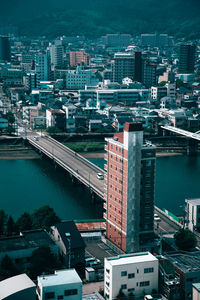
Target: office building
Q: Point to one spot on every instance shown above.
(149, 74)
(17, 287)
(123, 66)
(5, 49)
(187, 58)
(114, 96)
(63, 284)
(129, 193)
(78, 58)
(158, 92)
(135, 274)
(57, 53)
(193, 214)
(138, 66)
(79, 78)
(42, 67)
(117, 40)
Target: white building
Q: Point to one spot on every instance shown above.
(127, 96)
(57, 53)
(18, 287)
(196, 291)
(193, 213)
(135, 273)
(64, 284)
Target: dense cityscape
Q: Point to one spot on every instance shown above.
(95, 114)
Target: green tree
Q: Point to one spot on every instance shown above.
(7, 268)
(43, 261)
(44, 217)
(10, 117)
(185, 239)
(11, 226)
(162, 83)
(24, 222)
(179, 83)
(3, 218)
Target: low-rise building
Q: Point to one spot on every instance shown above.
(187, 266)
(193, 214)
(70, 243)
(55, 118)
(196, 291)
(17, 287)
(20, 248)
(64, 284)
(135, 273)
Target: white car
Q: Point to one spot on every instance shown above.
(157, 218)
(100, 176)
(36, 138)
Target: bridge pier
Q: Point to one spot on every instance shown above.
(192, 147)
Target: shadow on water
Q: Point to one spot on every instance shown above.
(29, 184)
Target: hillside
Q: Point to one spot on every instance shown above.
(96, 17)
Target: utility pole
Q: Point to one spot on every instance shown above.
(68, 236)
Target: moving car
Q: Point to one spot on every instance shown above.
(100, 176)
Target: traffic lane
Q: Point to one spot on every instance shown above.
(72, 161)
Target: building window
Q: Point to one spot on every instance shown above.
(144, 283)
(70, 292)
(108, 271)
(123, 286)
(60, 297)
(131, 290)
(107, 283)
(148, 270)
(124, 273)
(50, 295)
(131, 275)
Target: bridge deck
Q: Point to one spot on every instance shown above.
(78, 166)
(195, 136)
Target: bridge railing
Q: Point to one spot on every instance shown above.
(68, 168)
(89, 163)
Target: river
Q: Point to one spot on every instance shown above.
(26, 185)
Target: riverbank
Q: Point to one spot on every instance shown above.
(22, 153)
(101, 154)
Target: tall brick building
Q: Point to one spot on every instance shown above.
(130, 182)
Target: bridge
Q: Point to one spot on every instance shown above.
(78, 167)
(193, 138)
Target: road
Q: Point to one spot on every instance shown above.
(77, 165)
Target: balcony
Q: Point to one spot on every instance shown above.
(105, 167)
(106, 147)
(105, 215)
(105, 206)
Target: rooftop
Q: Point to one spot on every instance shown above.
(194, 201)
(28, 239)
(189, 262)
(60, 277)
(14, 285)
(196, 286)
(131, 258)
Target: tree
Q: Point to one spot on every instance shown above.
(43, 261)
(185, 239)
(11, 226)
(7, 268)
(162, 83)
(24, 222)
(3, 218)
(10, 117)
(44, 217)
(179, 83)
